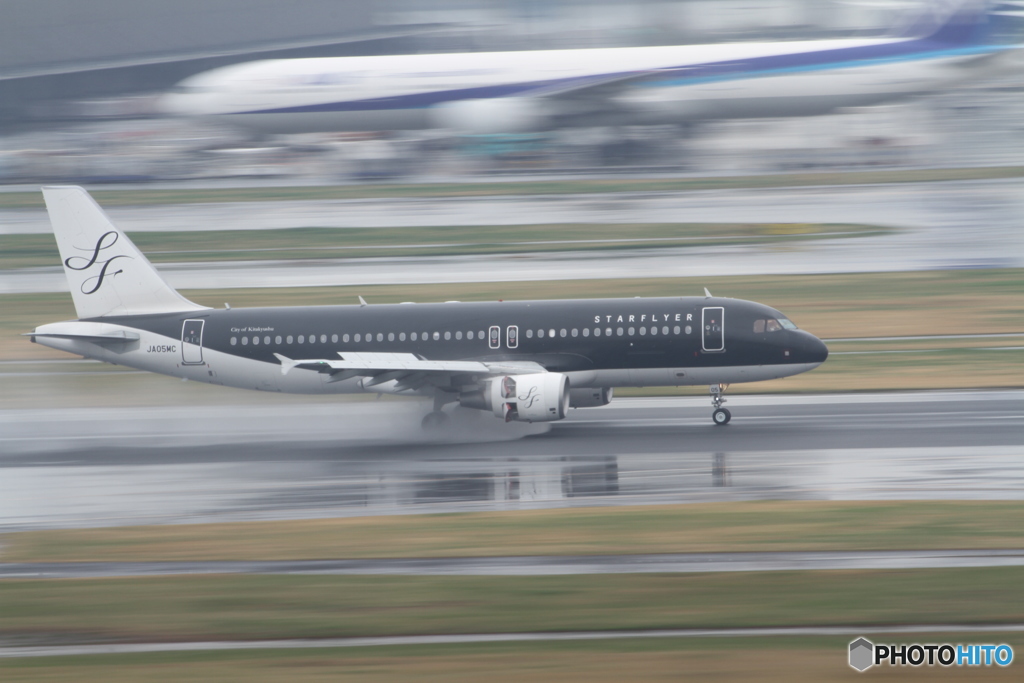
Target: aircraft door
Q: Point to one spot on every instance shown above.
(713, 329)
(192, 342)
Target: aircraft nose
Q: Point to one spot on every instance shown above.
(814, 350)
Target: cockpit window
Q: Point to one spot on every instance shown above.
(772, 325)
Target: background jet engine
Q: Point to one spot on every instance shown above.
(491, 116)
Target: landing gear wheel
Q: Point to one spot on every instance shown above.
(434, 421)
(721, 416)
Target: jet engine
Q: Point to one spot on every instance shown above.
(497, 115)
(540, 397)
(590, 398)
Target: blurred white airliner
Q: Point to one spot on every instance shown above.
(508, 92)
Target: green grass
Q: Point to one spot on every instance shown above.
(33, 251)
(247, 607)
(143, 196)
(707, 527)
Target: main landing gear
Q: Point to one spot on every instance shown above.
(437, 419)
(720, 416)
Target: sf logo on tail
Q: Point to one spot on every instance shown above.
(91, 284)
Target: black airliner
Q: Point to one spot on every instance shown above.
(520, 360)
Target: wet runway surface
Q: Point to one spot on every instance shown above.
(967, 224)
(99, 467)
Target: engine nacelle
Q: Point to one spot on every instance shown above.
(540, 397)
(498, 115)
(590, 398)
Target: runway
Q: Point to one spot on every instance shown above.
(471, 638)
(545, 565)
(119, 466)
(965, 224)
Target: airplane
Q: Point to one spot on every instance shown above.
(526, 361)
(513, 92)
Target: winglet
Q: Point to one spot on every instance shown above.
(286, 363)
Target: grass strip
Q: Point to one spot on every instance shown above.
(142, 195)
(705, 527)
(33, 251)
(249, 607)
(769, 659)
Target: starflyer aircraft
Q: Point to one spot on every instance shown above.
(520, 360)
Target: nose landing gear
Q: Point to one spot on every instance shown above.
(720, 416)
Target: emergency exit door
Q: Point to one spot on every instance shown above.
(713, 329)
(192, 342)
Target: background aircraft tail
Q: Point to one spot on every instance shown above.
(107, 274)
(950, 22)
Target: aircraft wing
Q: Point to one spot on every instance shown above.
(407, 368)
(600, 86)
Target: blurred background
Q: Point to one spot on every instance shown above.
(81, 87)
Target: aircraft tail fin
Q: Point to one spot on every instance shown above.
(951, 23)
(107, 274)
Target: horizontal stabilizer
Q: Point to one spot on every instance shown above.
(97, 333)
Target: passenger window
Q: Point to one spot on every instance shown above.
(586, 331)
(458, 334)
(380, 336)
(575, 332)
(529, 334)
(391, 336)
(437, 336)
(344, 338)
(469, 335)
(358, 337)
(290, 339)
(234, 340)
(334, 339)
(447, 336)
(302, 338)
(413, 336)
